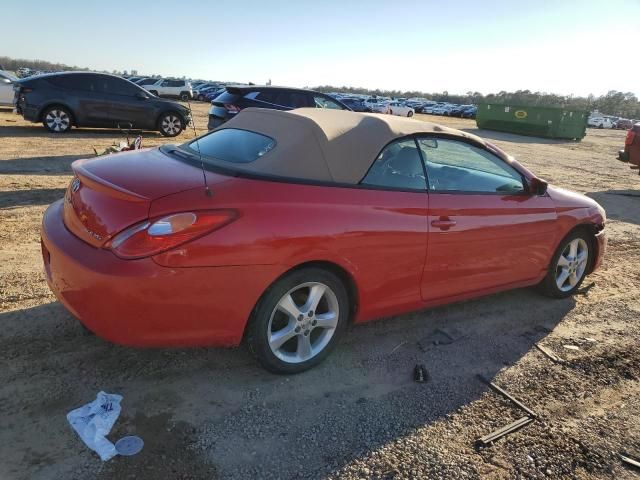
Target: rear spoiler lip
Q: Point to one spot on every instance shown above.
(102, 185)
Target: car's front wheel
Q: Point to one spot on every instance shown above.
(568, 266)
(170, 124)
(409, 113)
(298, 320)
(57, 119)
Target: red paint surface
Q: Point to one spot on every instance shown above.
(403, 251)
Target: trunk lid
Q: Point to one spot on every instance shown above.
(111, 193)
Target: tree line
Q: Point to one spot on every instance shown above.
(13, 64)
(620, 104)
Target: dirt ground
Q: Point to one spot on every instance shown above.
(213, 413)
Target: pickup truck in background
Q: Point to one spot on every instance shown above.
(631, 152)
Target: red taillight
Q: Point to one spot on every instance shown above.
(631, 135)
(161, 234)
(231, 108)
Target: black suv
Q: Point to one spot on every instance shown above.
(60, 100)
(235, 98)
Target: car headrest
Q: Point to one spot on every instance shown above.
(407, 161)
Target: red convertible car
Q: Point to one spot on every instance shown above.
(280, 228)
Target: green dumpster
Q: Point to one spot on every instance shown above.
(550, 122)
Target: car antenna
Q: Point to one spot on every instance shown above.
(207, 190)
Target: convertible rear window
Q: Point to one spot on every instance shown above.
(233, 145)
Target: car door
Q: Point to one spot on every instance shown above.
(486, 230)
(84, 95)
(127, 104)
(393, 213)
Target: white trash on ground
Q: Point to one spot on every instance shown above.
(93, 423)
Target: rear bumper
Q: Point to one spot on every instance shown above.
(140, 303)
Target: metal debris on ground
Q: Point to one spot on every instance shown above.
(549, 354)
(585, 290)
(571, 347)
(626, 458)
(511, 427)
(440, 336)
(502, 392)
(397, 347)
(420, 374)
(502, 431)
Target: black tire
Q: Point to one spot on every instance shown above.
(259, 327)
(549, 286)
(57, 119)
(154, 92)
(409, 114)
(184, 96)
(170, 124)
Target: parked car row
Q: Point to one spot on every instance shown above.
(606, 121)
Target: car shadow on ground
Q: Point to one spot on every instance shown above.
(36, 196)
(55, 165)
(623, 205)
(38, 131)
(236, 419)
(515, 138)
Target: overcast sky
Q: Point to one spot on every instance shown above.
(561, 46)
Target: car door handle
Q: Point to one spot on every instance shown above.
(443, 223)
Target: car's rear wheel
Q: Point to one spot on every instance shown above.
(409, 113)
(298, 320)
(184, 96)
(569, 266)
(57, 119)
(170, 124)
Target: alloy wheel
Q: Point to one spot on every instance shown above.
(57, 120)
(171, 125)
(303, 322)
(572, 264)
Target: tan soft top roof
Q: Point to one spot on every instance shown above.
(324, 144)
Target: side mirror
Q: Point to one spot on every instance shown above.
(141, 96)
(537, 186)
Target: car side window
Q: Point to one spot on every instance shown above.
(454, 166)
(299, 100)
(266, 96)
(398, 166)
(117, 86)
(324, 102)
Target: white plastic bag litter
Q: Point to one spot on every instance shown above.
(93, 423)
